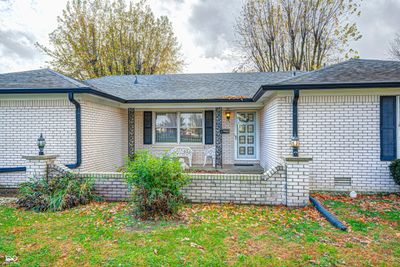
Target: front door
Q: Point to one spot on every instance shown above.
(246, 135)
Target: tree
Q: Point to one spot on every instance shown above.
(284, 35)
(394, 48)
(95, 38)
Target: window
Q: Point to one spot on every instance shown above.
(190, 125)
(166, 128)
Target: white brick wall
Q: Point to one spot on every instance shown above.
(104, 137)
(341, 133)
(22, 121)
(269, 143)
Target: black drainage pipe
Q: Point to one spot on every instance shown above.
(78, 130)
(329, 216)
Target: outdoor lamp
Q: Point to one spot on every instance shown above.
(228, 115)
(41, 142)
(295, 145)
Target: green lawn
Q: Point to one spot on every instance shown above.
(104, 234)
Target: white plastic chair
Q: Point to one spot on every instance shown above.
(182, 152)
(210, 152)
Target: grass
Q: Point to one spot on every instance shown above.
(105, 234)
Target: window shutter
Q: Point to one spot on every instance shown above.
(147, 127)
(209, 127)
(388, 128)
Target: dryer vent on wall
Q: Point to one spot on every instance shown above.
(342, 181)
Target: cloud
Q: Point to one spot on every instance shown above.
(15, 43)
(378, 24)
(205, 28)
(212, 23)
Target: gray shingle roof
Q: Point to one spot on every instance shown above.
(187, 86)
(351, 71)
(214, 87)
(38, 79)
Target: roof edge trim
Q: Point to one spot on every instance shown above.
(322, 86)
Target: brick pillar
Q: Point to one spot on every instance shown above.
(131, 131)
(297, 181)
(36, 166)
(218, 137)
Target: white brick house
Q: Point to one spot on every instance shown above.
(347, 120)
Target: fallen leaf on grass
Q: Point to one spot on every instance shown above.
(10, 259)
(155, 251)
(185, 239)
(194, 245)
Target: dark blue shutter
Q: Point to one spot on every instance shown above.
(209, 127)
(147, 127)
(388, 128)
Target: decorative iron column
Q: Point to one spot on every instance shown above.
(218, 137)
(131, 132)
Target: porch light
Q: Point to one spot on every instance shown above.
(41, 142)
(295, 143)
(228, 115)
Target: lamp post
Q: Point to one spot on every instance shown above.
(41, 142)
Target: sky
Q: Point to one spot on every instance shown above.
(204, 28)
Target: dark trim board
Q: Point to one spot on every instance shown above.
(89, 90)
(211, 100)
(13, 169)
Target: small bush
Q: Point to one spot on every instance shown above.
(394, 168)
(55, 193)
(158, 182)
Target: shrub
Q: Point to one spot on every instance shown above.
(158, 182)
(55, 193)
(394, 168)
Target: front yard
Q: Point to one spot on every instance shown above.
(104, 234)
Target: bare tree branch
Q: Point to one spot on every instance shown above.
(296, 34)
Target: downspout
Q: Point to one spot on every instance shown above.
(78, 132)
(295, 135)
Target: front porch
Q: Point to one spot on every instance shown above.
(233, 133)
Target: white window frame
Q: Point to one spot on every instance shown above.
(178, 117)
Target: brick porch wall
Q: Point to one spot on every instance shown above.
(206, 188)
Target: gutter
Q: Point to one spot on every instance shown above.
(322, 86)
(81, 90)
(78, 133)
